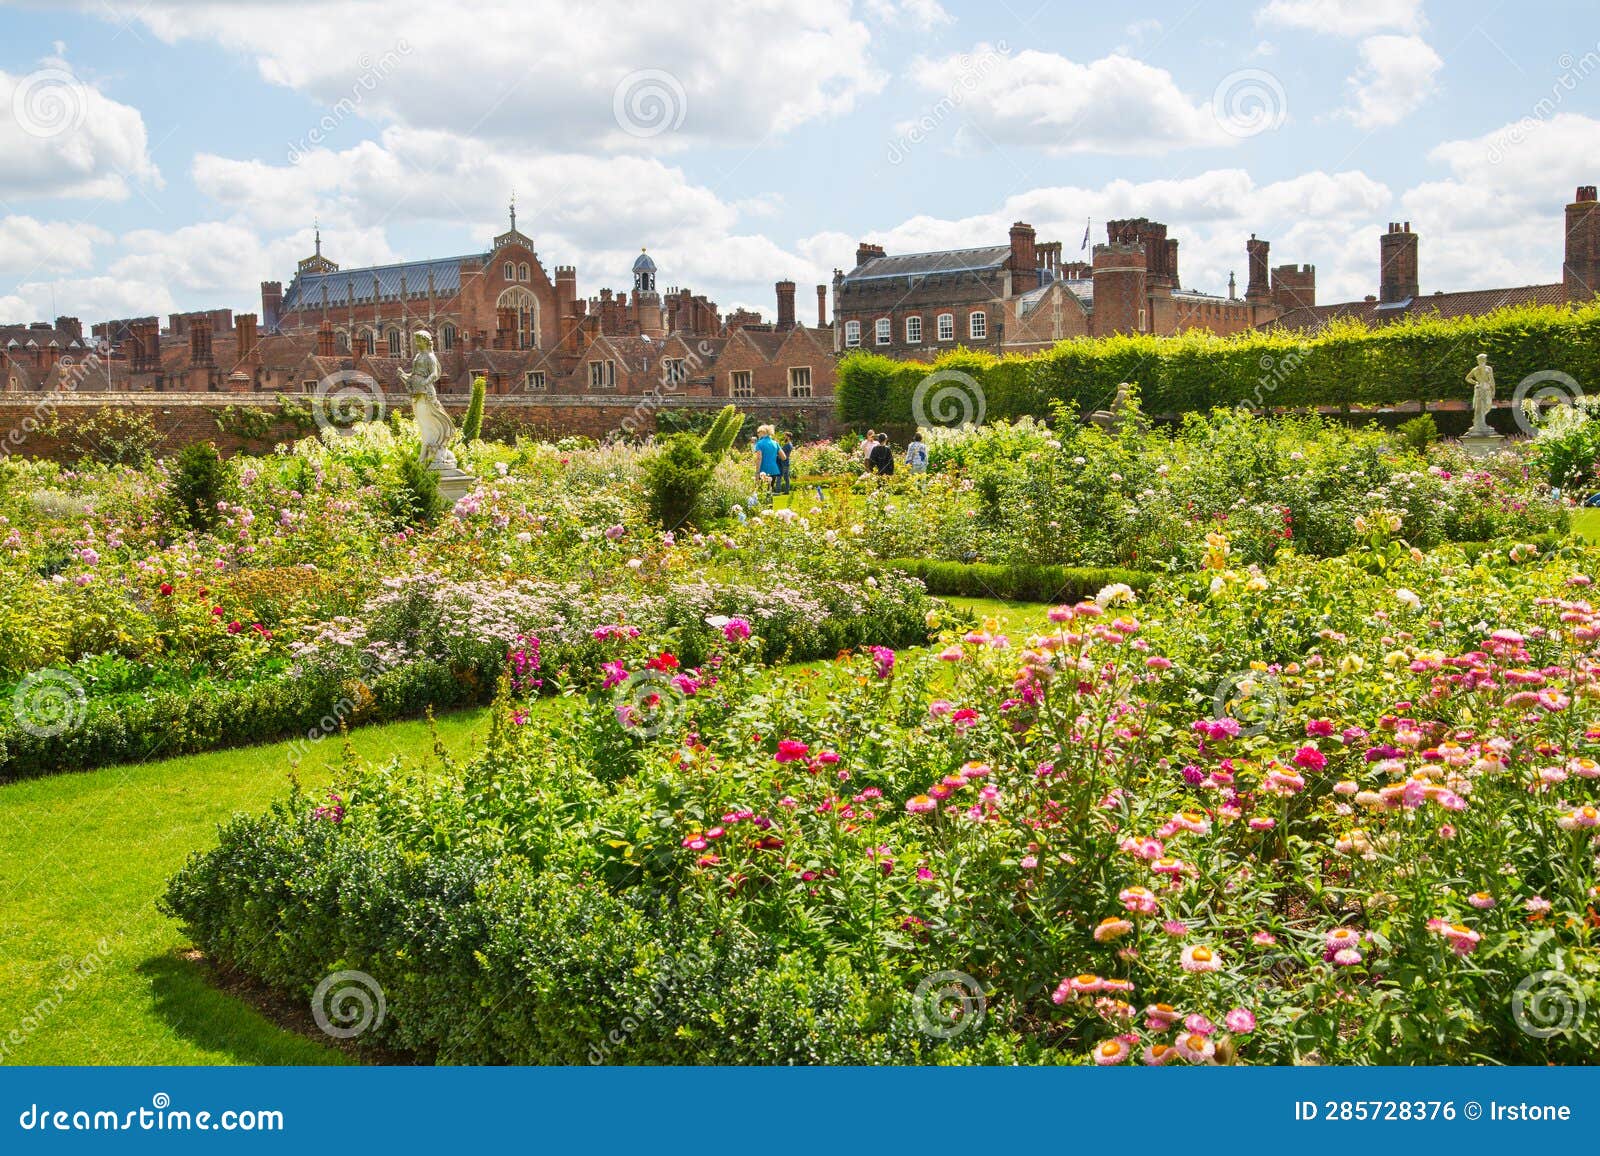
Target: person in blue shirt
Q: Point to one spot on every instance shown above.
(917, 454)
(769, 457)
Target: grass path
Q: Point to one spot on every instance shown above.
(90, 972)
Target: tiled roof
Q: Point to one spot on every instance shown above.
(356, 285)
(1467, 303)
(924, 264)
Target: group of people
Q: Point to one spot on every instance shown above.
(773, 458)
(775, 453)
(878, 458)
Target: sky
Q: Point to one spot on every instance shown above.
(173, 154)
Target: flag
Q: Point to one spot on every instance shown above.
(1085, 244)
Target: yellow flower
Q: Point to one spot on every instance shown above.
(1351, 664)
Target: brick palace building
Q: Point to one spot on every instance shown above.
(1021, 296)
(497, 314)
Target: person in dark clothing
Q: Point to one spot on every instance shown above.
(881, 459)
(786, 450)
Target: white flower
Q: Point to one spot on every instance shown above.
(1408, 599)
(1116, 593)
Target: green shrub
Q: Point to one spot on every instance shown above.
(199, 482)
(412, 493)
(113, 437)
(1419, 359)
(675, 478)
(1419, 433)
(724, 429)
(472, 424)
(1021, 583)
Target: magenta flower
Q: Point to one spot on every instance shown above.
(790, 751)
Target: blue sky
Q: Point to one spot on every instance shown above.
(173, 154)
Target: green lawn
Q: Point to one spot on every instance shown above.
(90, 972)
(1586, 524)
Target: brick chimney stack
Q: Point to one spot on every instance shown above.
(1024, 258)
(785, 305)
(200, 342)
(244, 326)
(866, 252)
(1397, 271)
(1294, 287)
(1580, 270)
(1258, 290)
(822, 306)
(327, 345)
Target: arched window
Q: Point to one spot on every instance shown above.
(523, 272)
(447, 336)
(396, 340)
(526, 306)
(510, 271)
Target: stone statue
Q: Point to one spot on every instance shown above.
(434, 426)
(1481, 379)
(1124, 410)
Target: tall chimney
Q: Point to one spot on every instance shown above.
(1259, 288)
(822, 306)
(1580, 270)
(785, 305)
(866, 252)
(1024, 259)
(200, 342)
(244, 326)
(326, 344)
(1397, 272)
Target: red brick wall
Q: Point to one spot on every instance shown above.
(182, 419)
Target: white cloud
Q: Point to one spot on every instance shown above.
(29, 247)
(1344, 17)
(60, 136)
(1532, 160)
(543, 73)
(1114, 105)
(923, 14)
(1396, 76)
(90, 299)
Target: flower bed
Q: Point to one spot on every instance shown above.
(1325, 811)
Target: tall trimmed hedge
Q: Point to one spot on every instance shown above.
(1414, 360)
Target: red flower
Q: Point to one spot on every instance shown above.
(790, 751)
(663, 661)
(166, 589)
(234, 627)
(217, 611)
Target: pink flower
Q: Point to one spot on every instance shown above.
(1347, 957)
(1319, 728)
(1264, 939)
(1139, 900)
(1482, 900)
(882, 661)
(920, 804)
(1196, 1022)
(1112, 1051)
(790, 751)
(1199, 958)
(1310, 758)
(736, 630)
(1240, 1020)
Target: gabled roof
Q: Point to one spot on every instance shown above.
(356, 285)
(924, 264)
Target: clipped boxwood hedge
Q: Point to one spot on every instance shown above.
(1020, 583)
(1415, 360)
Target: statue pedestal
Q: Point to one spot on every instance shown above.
(1481, 443)
(454, 482)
